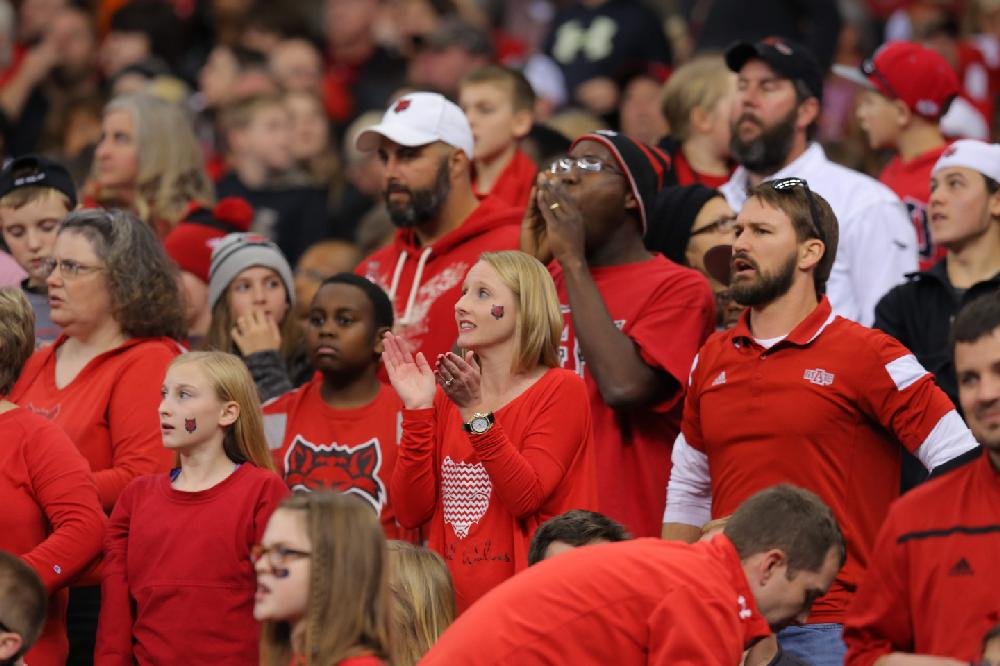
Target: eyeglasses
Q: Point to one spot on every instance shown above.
(564, 165)
(723, 225)
(277, 556)
(67, 267)
(787, 184)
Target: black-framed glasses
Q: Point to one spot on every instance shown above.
(564, 165)
(723, 225)
(787, 184)
(67, 267)
(277, 556)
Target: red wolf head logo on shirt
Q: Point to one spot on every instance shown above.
(349, 469)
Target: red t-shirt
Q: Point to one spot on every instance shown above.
(485, 495)
(911, 181)
(634, 603)
(932, 585)
(178, 583)
(513, 187)
(317, 447)
(50, 515)
(109, 410)
(825, 409)
(667, 311)
(686, 175)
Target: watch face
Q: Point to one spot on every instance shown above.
(480, 424)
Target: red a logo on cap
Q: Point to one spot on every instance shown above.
(401, 105)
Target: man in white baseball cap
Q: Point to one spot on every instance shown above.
(964, 216)
(425, 145)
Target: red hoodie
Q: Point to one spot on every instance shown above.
(425, 282)
(515, 182)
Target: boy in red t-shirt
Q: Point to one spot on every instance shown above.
(341, 429)
(499, 104)
(908, 87)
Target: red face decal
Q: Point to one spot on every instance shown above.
(496, 311)
(190, 425)
(401, 105)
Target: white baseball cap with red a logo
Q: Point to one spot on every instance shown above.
(976, 155)
(417, 119)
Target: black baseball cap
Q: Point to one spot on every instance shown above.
(787, 58)
(37, 171)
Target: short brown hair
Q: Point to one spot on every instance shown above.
(17, 336)
(22, 601)
(789, 519)
(522, 95)
(794, 202)
(241, 113)
(699, 84)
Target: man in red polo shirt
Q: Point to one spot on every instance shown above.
(651, 602)
(795, 393)
(931, 588)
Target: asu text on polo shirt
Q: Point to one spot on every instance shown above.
(826, 408)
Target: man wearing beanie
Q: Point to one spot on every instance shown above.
(779, 89)
(907, 89)
(633, 320)
(425, 143)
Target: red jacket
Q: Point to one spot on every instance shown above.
(635, 603)
(513, 187)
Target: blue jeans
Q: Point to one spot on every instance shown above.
(815, 644)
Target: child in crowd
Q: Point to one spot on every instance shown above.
(423, 600)
(252, 298)
(36, 193)
(178, 582)
(322, 260)
(499, 104)
(22, 598)
(907, 89)
(322, 584)
(340, 430)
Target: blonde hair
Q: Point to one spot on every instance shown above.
(423, 600)
(17, 336)
(539, 322)
(698, 84)
(244, 440)
(171, 166)
(347, 612)
(23, 196)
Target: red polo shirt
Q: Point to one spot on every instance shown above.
(825, 409)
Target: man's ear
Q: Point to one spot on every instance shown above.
(810, 253)
(458, 164)
(993, 205)
(230, 412)
(903, 113)
(769, 565)
(631, 203)
(10, 644)
(808, 112)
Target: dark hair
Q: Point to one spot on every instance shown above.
(802, 93)
(977, 319)
(794, 202)
(141, 278)
(157, 20)
(789, 519)
(381, 305)
(574, 528)
(22, 601)
(992, 186)
(992, 634)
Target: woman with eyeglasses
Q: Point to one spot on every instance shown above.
(323, 584)
(178, 580)
(112, 290)
(50, 514)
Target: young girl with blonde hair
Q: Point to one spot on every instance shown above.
(178, 582)
(423, 600)
(322, 584)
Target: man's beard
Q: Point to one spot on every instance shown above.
(767, 288)
(767, 152)
(422, 205)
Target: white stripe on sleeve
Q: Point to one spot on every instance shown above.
(949, 439)
(689, 492)
(904, 371)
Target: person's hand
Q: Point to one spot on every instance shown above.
(564, 230)
(410, 375)
(256, 332)
(533, 237)
(461, 381)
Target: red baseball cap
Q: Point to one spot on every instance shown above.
(914, 74)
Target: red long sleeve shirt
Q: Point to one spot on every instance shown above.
(932, 586)
(178, 583)
(109, 410)
(513, 187)
(485, 495)
(634, 603)
(49, 515)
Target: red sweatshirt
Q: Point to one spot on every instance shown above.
(426, 282)
(50, 515)
(317, 447)
(513, 187)
(634, 603)
(109, 410)
(486, 494)
(178, 583)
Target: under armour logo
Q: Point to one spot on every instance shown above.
(819, 377)
(961, 568)
(401, 105)
(721, 379)
(596, 41)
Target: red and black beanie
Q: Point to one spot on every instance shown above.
(647, 168)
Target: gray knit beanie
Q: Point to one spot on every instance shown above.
(237, 252)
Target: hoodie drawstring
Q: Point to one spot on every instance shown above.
(414, 287)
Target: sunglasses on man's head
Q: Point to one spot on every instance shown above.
(789, 184)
